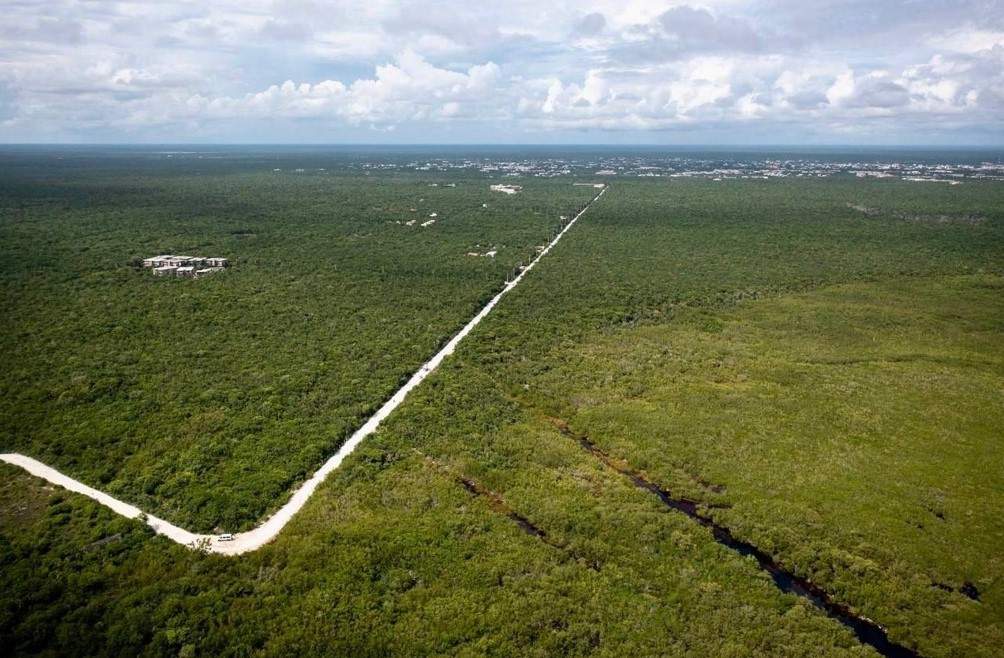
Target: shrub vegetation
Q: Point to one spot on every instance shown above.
(826, 383)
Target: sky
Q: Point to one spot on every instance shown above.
(905, 72)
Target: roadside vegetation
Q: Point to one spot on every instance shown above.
(825, 384)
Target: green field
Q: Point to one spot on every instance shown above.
(826, 383)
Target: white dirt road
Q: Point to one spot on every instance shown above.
(254, 539)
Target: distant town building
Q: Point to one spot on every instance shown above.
(186, 266)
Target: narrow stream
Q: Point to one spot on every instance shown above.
(866, 630)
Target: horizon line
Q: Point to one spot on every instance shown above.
(723, 145)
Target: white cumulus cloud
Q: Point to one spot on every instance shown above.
(180, 70)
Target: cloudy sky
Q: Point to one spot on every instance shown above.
(590, 71)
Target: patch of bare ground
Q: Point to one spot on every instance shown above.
(18, 508)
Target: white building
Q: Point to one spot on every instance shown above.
(187, 266)
(157, 261)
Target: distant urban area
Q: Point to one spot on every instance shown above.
(712, 167)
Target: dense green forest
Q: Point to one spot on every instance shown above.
(824, 382)
(204, 401)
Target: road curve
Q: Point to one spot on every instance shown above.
(253, 539)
